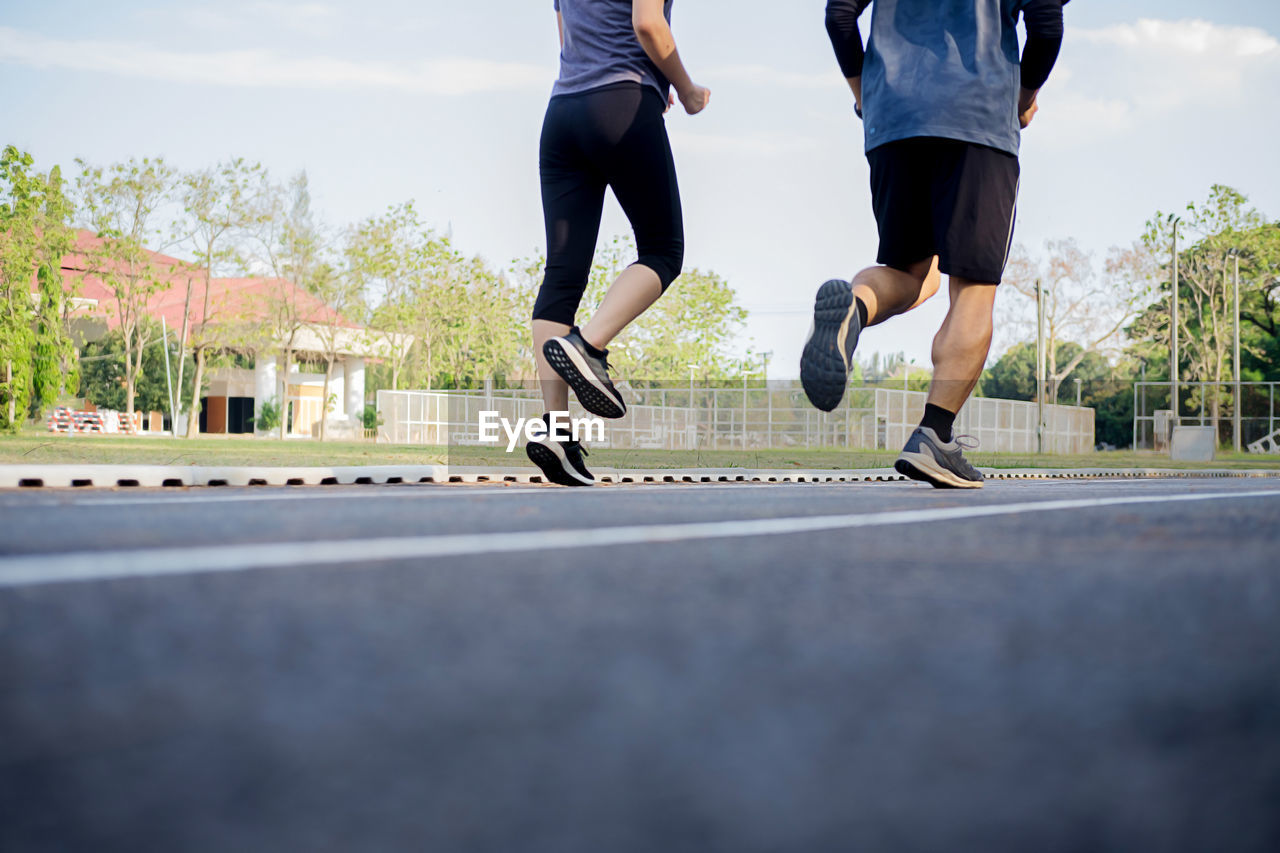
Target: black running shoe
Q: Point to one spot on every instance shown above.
(828, 353)
(587, 375)
(941, 464)
(560, 460)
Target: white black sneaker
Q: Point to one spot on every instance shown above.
(939, 463)
(586, 374)
(828, 353)
(560, 460)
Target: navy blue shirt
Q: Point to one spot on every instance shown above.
(945, 68)
(601, 48)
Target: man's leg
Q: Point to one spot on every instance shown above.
(841, 311)
(960, 348)
(887, 292)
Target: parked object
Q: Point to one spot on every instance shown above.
(1193, 444)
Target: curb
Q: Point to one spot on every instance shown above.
(171, 476)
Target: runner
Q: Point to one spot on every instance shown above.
(943, 98)
(604, 129)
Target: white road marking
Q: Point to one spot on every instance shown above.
(63, 568)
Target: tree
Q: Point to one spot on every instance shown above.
(121, 203)
(36, 357)
(1218, 227)
(340, 292)
(102, 365)
(697, 321)
(219, 204)
(386, 257)
(1081, 305)
(1105, 387)
(291, 245)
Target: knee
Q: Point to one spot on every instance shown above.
(667, 260)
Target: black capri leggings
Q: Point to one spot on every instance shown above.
(615, 137)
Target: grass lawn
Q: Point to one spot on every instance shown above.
(34, 446)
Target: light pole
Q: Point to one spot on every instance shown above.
(693, 430)
(1077, 392)
(1235, 360)
(1040, 360)
(1173, 325)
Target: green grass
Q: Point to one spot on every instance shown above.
(34, 446)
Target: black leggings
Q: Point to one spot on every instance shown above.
(609, 137)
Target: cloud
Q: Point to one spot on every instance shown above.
(1151, 73)
(264, 68)
(1192, 37)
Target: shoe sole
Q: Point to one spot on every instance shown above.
(565, 359)
(824, 368)
(554, 466)
(923, 467)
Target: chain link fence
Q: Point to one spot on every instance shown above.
(752, 416)
(1211, 404)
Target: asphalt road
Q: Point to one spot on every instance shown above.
(1057, 666)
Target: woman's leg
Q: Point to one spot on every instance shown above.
(572, 204)
(642, 173)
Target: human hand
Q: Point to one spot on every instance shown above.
(695, 99)
(1027, 108)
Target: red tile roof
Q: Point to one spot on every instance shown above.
(237, 299)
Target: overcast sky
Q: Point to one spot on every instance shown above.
(383, 101)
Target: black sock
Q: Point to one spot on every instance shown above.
(591, 351)
(939, 420)
(862, 311)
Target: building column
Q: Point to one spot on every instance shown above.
(265, 384)
(353, 387)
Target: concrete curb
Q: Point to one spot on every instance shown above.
(174, 476)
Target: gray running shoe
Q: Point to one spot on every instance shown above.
(587, 375)
(941, 464)
(560, 460)
(828, 353)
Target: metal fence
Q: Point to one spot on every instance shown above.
(752, 416)
(1207, 404)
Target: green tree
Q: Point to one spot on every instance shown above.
(1216, 228)
(292, 245)
(121, 204)
(698, 321)
(103, 380)
(36, 357)
(219, 206)
(1082, 304)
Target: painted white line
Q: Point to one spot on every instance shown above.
(63, 568)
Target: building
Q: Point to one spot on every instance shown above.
(256, 317)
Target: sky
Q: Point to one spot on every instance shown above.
(384, 101)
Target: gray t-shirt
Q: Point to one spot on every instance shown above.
(601, 48)
(945, 68)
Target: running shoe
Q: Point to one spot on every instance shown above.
(939, 463)
(586, 374)
(828, 353)
(560, 460)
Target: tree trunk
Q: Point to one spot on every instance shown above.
(324, 404)
(284, 396)
(8, 384)
(182, 353)
(193, 419)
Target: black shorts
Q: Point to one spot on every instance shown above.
(948, 198)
